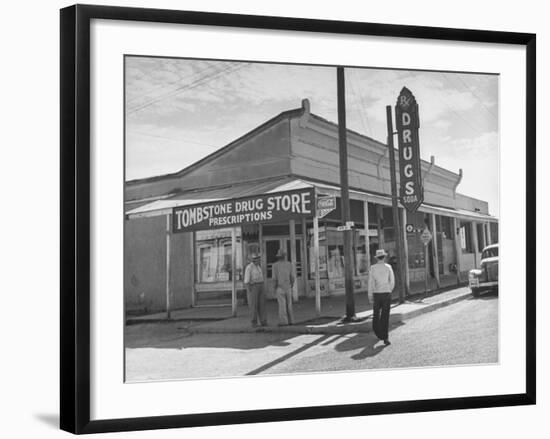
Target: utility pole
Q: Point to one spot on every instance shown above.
(395, 209)
(343, 147)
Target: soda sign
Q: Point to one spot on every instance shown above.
(325, 205)
(411, 191)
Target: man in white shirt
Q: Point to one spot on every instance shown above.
(381, 284)
(254, 281)
(283, 280)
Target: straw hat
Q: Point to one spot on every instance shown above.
(280, 253)
(380, 253)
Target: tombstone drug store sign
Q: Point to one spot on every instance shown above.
(275, 207)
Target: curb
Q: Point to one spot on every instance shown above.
(347, 328)
(134, 321)
(363, 326)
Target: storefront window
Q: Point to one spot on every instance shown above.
(331, 253)
(361, 254)
(322, 262)
(335, 261)
(214, 255)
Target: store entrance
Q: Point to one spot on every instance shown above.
(271, 246)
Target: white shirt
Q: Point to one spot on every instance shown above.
(381, 278)
(253, 274)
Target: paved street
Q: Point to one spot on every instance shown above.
(463, 333)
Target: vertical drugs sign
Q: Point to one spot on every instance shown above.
(407, 121)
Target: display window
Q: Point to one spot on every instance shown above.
(331, 254)
(214, 255)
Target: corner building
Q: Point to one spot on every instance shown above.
(295, 152)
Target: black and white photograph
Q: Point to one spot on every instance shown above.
(288, 219)
(275, 219)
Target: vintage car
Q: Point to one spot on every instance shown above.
(486, 276)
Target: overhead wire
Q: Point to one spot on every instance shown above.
(165, 85)
(192, 84)
(456, 113)
(201, 81)
(357, 102)
(476, 96)
(171, 138)
(364, 105)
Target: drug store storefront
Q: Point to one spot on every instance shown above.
(208, 243)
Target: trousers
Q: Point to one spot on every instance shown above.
(284, 300)
(381, 314)
(256, 303)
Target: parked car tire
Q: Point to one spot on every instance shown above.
(476, 292)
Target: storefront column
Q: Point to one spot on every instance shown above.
(475, 242)
(488, 233)
(458, 247)
(317, 274)
(435, 255)
(305, 257)
(168, 237)
(292, 226)
(233, 272)
(483, 236)
(366, 232)
(263, 260)
(405, 250)
(194, 270)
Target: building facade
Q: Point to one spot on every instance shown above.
(175, 265)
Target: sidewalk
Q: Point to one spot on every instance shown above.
(219, 320)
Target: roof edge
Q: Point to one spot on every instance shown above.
(284, 115)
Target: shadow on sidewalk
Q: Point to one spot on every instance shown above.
(179, 339)
(282, 359)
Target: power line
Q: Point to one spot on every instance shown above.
(477, 97)
(194, 84)
(167, 84)
(173, 92)
(359, 103)
(170, 138)
(364, 106)
(475, 128)
(470, 91)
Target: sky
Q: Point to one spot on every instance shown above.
(180, 110)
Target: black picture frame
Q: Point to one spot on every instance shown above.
(75, 217)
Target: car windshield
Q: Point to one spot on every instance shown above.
(490, 253)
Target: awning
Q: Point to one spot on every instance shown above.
(165, 206)
(468, 215)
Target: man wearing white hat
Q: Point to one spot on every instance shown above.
(381, 284)
(254, 282)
